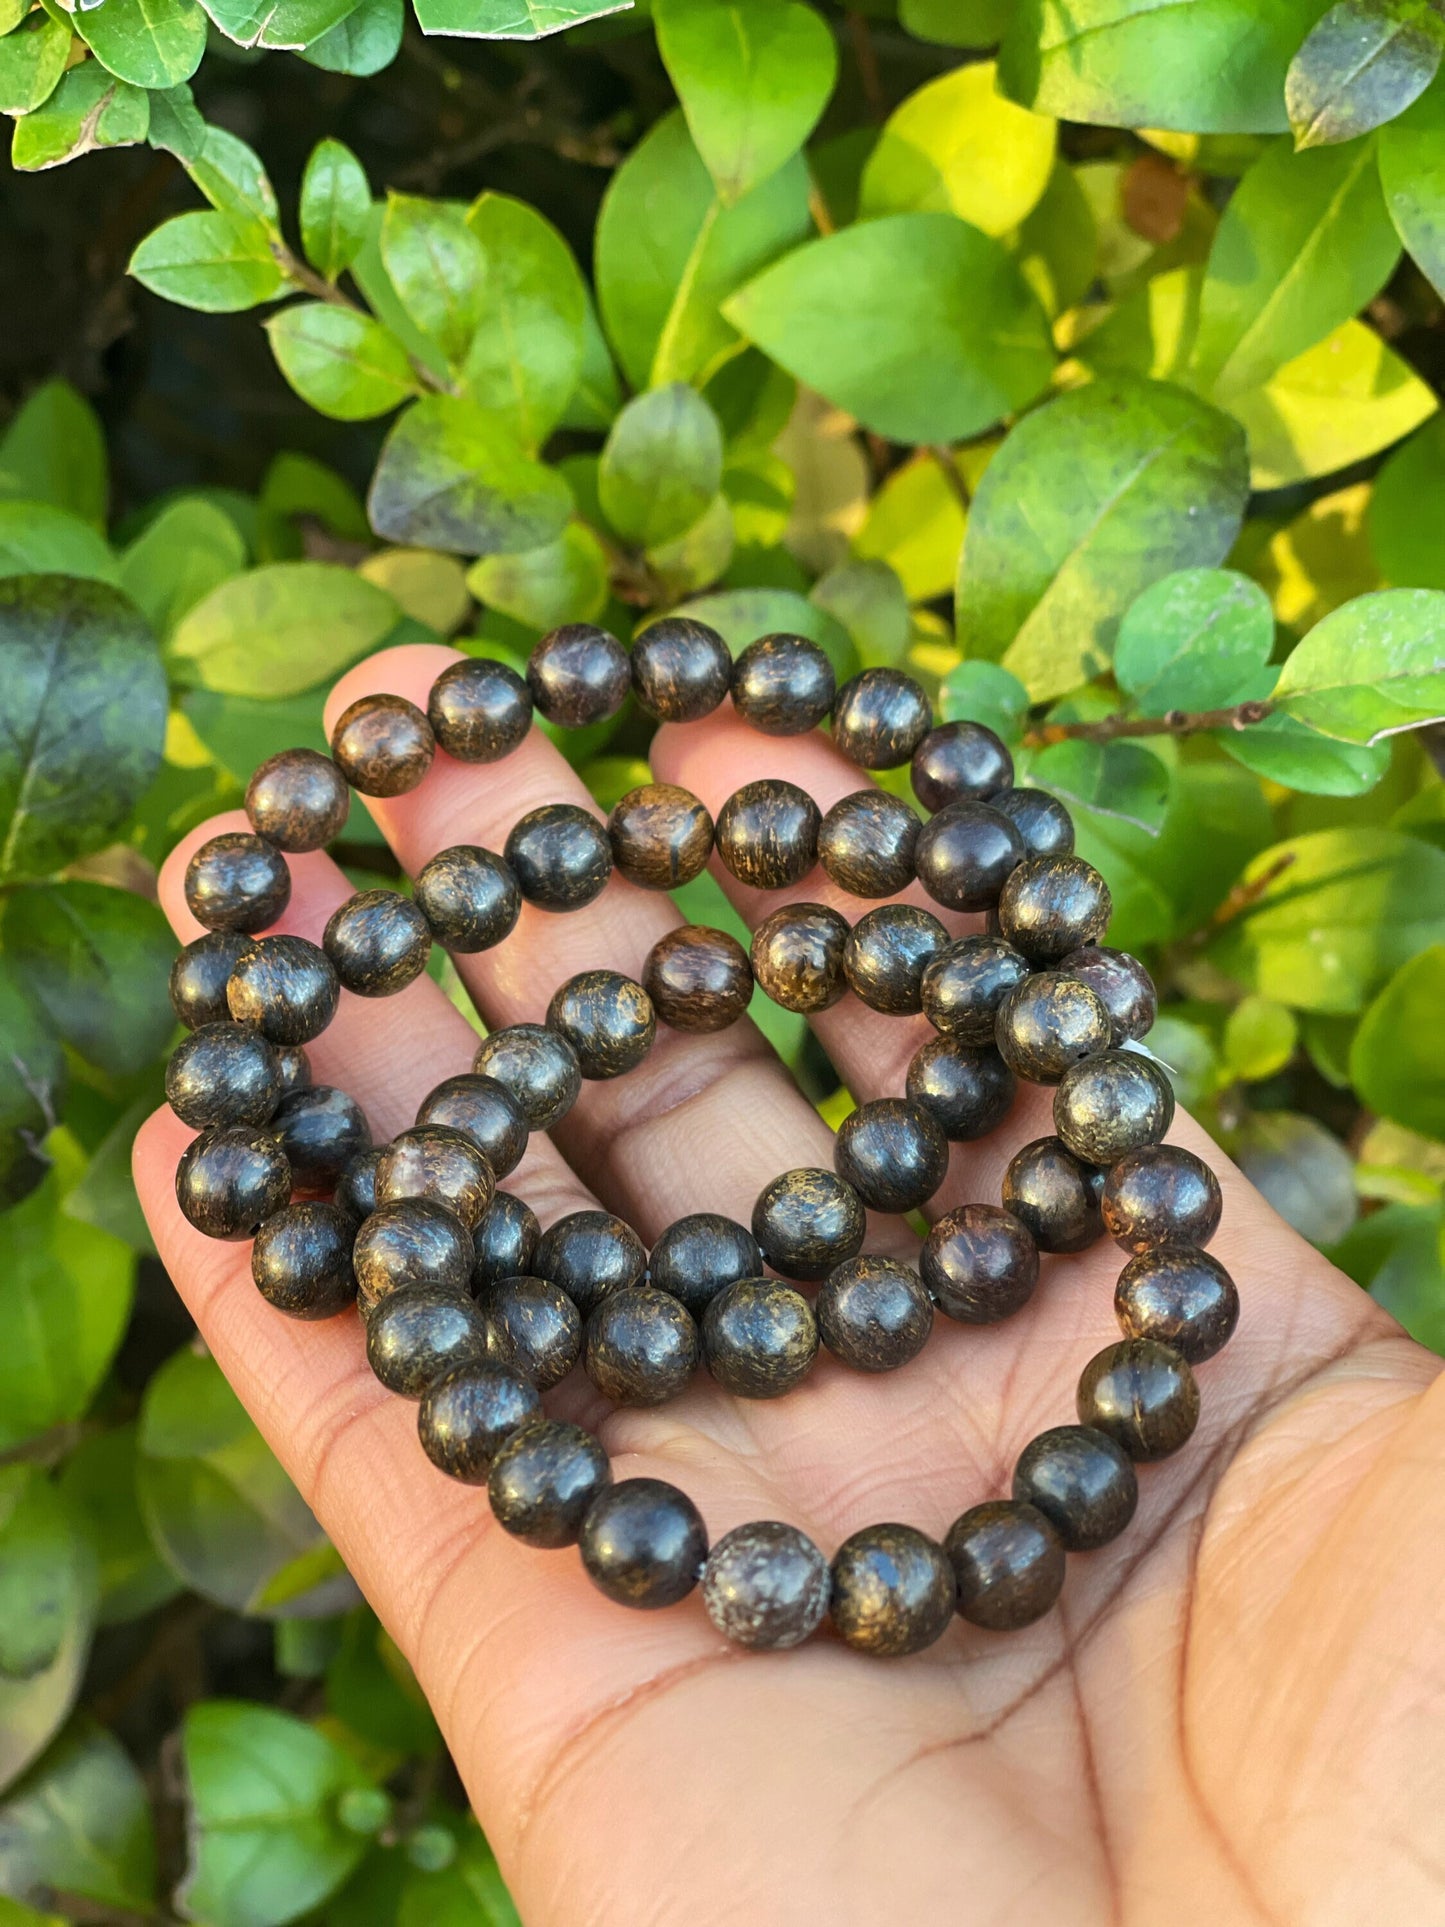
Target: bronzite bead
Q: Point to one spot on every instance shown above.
(1180, 1296)
(1049, 1023)
(767, 834)
(294, 1067)
(641, 1347)
(383, 745)
(887, 952)
(588, 1254)
(479, 711)
(807, 1221)
(681, 669)
(1116, 1102)
(880, 717)
(893, 1153)
(301, 1260)
(223, 1074)
(661, 836)
(409, 1244)
(231, 1179)
(469, 898)
(892, 1591)
(467, 1416)
(1159, 1195)
(483, 1111)
(320, 1129)
(532, 1328)
(1055, 1194)
(696, 1256)
(1121, 983)
(759, 1338)
(866, 843)
(1040, 819)
(968, 1089)
(578, 674)
(608, 1020)
(966, 854)
(355, 1192)
(960, 762)
(1082, 1482)
(298, 800)
(766, 1586)
(643, 1543)
(286, 987)
(873, 1313)
(980, 1264)
(560, 856)
(699, 979)
(1008, 1563)
(200, 974)
(963, 987)
(1142, 1395)
(783, 685)
(436, 1162)
(505, 1242)
(414, 1337)
(542, 1480)
(237, 882)
(1050, 905)
(797, 957)
(537, 1067)
(378, 942)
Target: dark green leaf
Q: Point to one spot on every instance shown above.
(32, 59)
(1217, 821)
(468, 1893)
(32, 1065)
(451, 476)
(296, 485)
(278, 630)
(53, 451)
(438, 269)
(982, 692)
(1397, 1061)
(1304, 1172)
(47, 1612)
(1198, 639)
(1397, 1254)
(95, 959)
(89, 109)
(150, 43)
(36, 539)
(1289, 752)
(188, 550)
(230, 175)
(342, 362)
(1361, 66)
(335, 207)
(80, 1823)
(1123, 780)
(240, 731)
(211, 261)
(367, 40)
(98, 1483)
(1407, 503)
(525, 360)
(1373, 667)
(1412, 173)
(293, 24)
(661, 466)
(371, 1689)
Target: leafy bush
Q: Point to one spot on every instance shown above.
(1083, 359)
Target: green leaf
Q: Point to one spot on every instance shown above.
(437, 267)
(95, 960)
(1188, 1054)
(983, 692)
(188, 550)
(1361, 66)
(82, 719)
(661, 465)
(36, 539)
(240, 731)
(53, 450)
(230, 175)
(291, 24)
(698, 557)
(868, 599)
(88, 109)
(915, 524)
(467, 1893)
(335, 208)
(510, 19)
(451, 476)
(1288, 752)
(32, 59)
(916, 324)
(1412, 174)
(526, 358)
(176, 124)
(598, 394)
(32, 1066)
(1199, 639)
(1260, 1037)
(1371, 668)
(345, 364)
(47, 1613)
(742, 615)
(1397, 1061)
(1303, 1171)
(1057, 246)
(956, 23)
(278, 630)
(368, 39)
(753, 77)
(564, 580)
(80, 1823)
(98, 1483)
(1405, 509)
(426, 586)
(211, 261)
(1396, 1253)
(1217, 820)
(150, 43)
(1090, 499)
(1122, 780)
(296, 485)
(371, 1689)
(1304, 244)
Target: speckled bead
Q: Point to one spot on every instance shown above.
(469, 897)
(694, 1257)
(415, 1337)
(231, 1179)
(1122, 985)
(479, 710)
(436, 1162)
(578, 674)
(1143, 1395)
(641, 1347)
(960, 763)
(1041, 820)
(783, 685)
(880, 717)
(699, 979)
(320, 1129)
(966, 854)
(560, 856)
(403, 1246)
(301, 1260)
(886, 954)
(892, 1591)
(532, 1328)
(607, 1019)
(767, 834)
(467, 1416)
(893, 1153)
(484, 1112)
(964, 986)
(1008, 1564)
(505, 1242)
(661, 836)
(237, 882)
(766, 1586)
(285, 987)
(1082, 1482)
(542, 1481)
(759, 1338)
(681, 670)
(1113, 1103)
(808, 1220)
(200, 974)
(1055, 1194)
(294, 1067)
(223, 1074)
(797, 956)
(1161, 1195)
(537, 1067)
(873, 1313)
(643, 1543)
(355, 1192)
(1180, 1296)
(298, 800)
(866, 843)
(980, 1264)
(383, 745)
(378, 942)
(1052, 905)
(1048, 1023)
(590, 1253)
(968, 1089)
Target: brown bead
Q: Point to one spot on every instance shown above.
(964, 986)
(467, 1416)
(378, 942)
(694, 1257)
(200, 974)
(295, 1070)
(968, 1089)
(436, 1162)
(298, 800)
(415, 1337)
(1111, 1104)
(402, 1246)
(759, 1338)
(966, 854)
(661, 836)
(681, 670)
(1161, 1195)
(643, 1543)
(223, 1074)
(893, 1153)
(1143, 1395)
(1055, 1195)
(355, 1192)
(237, 882)
(536, 1066)
(320, 1129)
(960, 762)
(231, 1179)
(1051, 905)
(698, 979)
(505, 1242)
(301, 1260)
(532, 1328)
(797, 956)
(873, 1313)
(578, 674)
(1121, 983)
(866, 842)
(560, 855)
(808, 1220)
(1008, 1564)
(589, 1254)
(880, 717)
(484, 1111)
(642, 1347)
(479, 710)
(767, 834)
(1048, 1023)
(607, 1019)
(1082, 1482)
(886, 954)
(1041, 820)
(783, 685)
(469, 897)
(285, 987)
(1180, 1296)
(980, 1264)
(542, 1481)
(766, 1586)
(893, 1591)
(383, 745)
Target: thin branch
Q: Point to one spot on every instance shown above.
(952, 474)
(1177, 722)
(308, 281)
(866, 56)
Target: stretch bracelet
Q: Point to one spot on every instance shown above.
(472, 1309)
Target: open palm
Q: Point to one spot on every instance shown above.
(1235, 1713)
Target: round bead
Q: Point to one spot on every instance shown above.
(237, 882)
(1051, 905)
(483, 1111)
(200, 974)
(537, 1067)
(1111, 1104)
(892, 1591)
(231, 1179)
(542, 1481)
(578, 674)
(642, 1347)
(699, 979)
(298, 800)
(436, 1162)
(980, 1264)
(759, 1338)
(893, 1153)
(1180, 1296)
(378, 942)
(404, 1246)
(963, 988)
(607, 1019)
(960, 763)
(807, 1221)
(880, 717)
(301, 1260)
(1055, 1194)
(697, 1255)
(1143, 1395)
(681, 670)
(505, 1242)
(286, 987)
(560, 856)
(355, 1192)
(467, 1417)
(866, 843)
(320, 1129)
(966, 854)
(383, 745)
(797, 956)
(1161, 1195)
(643, 1543)
(886, 954)
(588, 1254)
(1008, 1564)
(1041, 820)
(1081, 1481)
(874, 1313)
(1048, 1023)
(783, 685)
(533, 1329)
(1122, 985)
(469, 897)
(968, 1090)
(766, 1586)
(223, 1074)
(479, 710)
(294, 1067)
(661, 836)
(767, 834)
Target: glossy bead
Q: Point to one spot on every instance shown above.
(401, 1247)
(231, 1179)
(641, 1347)
(415, 1337)
(958, 763)
(866, 843)
(560, 856)
(1055, 1194)
(295, 1070)
(469, 897)
(436, 1162)
(320, 1129)
(1041, 820)
(607, 1019)
(200, 974)
(1122, 985)
(1142, 1394)
(298, 800)
(1048, 1023)
(980, 1264)
(578, 674)
(886, 954)
(536, 1066)
(505, 1242)
(1081, 1481)
(1180, 1296)
(383, 745)
(966, 854)
(378, 942)
(681, 670)
(467, 1416)
(301, 1260)
(759, 1338)
(699, 979)
(968, 1089)
(643, 1543)
(892, 1591)
(533, 1329)
(1161, 1195)
(355, 1192)
(589, 1254)
(893, 1153)
(694, 1257)
(286, 987)
(223, 1074)
(766, 1586)
(963, 988)
(1008, 1564)
(483, 1111)
(661, 836)
(237, 882)
(808, 1220)
(542, 1481)
(1111, 1104)
(880, 717)
(479, 710)
(874, 1313)
(767, 834)
(797, 956)
(783, 685)
(1051, 905)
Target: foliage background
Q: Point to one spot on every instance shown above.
(1085, 359)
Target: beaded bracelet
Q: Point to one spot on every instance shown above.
(474, 1311)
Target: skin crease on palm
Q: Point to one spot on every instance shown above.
(1234, 1715)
